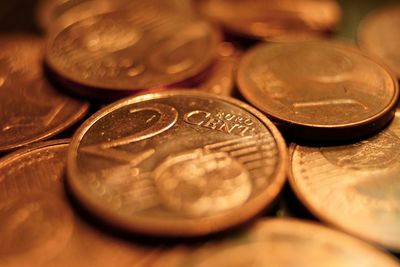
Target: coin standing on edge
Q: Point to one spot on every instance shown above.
(39, 226)
(281, 243)
(31, 109)
(379, 34)
(319, 90)
(355, 187)
(121, 53)
(176, 163)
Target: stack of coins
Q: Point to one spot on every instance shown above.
(184, 120)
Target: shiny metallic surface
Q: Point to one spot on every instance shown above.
(281, 243)
(39, 226)
(31, 109)
(176, 163)
(323, 90)
(355, 187)
(379, 34)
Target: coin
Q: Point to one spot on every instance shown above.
(355, 187)
(31, 109)
(321, 90)
(281, 243)
(39, 227)
(123, 52)
(176, 163)
(273, 19)
(379, 34)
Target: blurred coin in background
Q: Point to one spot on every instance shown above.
(31, 109)
(321, 90)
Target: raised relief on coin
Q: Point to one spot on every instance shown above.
(132, 50)
(354, 186)
(177, 158)
(379, 34)
(310, 84)
(30, 108)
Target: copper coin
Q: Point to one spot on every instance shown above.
(379, 34)
(281, 243)
(321, 90)
(38, 226)
(176, 163)
(273, 19)
(355, 187)
(129, 51)
(31, 109)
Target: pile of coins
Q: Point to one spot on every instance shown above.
(187, 118)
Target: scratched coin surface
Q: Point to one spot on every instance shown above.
(281, 243)
(324, 90)
(273, 20)
(355, 187)
(126, 51)
(31, 109)
(379, 34)
(176, 163)
(38, 225)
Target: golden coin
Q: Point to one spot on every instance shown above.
(31, 109)
(379, 34)
(281, 243)
(320, 90)
(278, 19)
(355, 187)
(176, 163)
(117, 53)
(38, 226)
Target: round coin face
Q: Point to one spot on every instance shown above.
(273, 20)
(281, 243)
(323, 90)
(379, 34)
(176, 163)
(128, 51)
(39, 228)
(31, 109)
(355, 187)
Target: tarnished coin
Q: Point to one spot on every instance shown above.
(320, 90)
(379, 34)
(117, 53)
(355, 187)
(38, 226)
(271, 20)
(31, 109)
(176, 163)
(281, 243)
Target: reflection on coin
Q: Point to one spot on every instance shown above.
(322, 90)
(39, 228)
(176, 163)
(30, 108)
(355, 187)
(270, 20)
(379, 34)
(124, 52)
(281, 243)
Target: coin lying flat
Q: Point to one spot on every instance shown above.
(281, 243)
(319, 90)
(355, 187)
(31, 109)
(176, 163)
(273, 20)
(121, 52)
(38, 226)
(379, 34)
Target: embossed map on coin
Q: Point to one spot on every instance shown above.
(159, 163)
(355, 187)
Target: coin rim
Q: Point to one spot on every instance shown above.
(179, 227)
